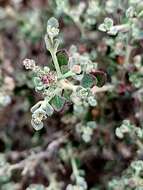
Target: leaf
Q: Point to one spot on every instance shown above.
(102, 27)
(36, 80)
(101, 77)
(62, 57)
(53, 22)
(88, 81)
(38, 126)
(67, 94)
(48, 109)
(48, 42)
(57, 103)
(38, 83)
(108, 22)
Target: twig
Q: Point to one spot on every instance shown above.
(34, 159)
(102, 89)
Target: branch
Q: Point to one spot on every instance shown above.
(30, 162)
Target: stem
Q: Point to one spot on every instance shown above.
(56, 91)
(128, 53)
(73, 163)
(68, 74)
(56, 64)
(81, 28)
(77, 23)
(122, 27)
(103, 89)
(128, 47)
(37, 157)
(36, 106)
(139, 144)
(74, 168)
(140, 14)
(68, 85)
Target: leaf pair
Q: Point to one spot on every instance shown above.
(98, 78)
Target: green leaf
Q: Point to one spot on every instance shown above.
(62, 57)
(57, 103)
(67, 94)
(87, 81)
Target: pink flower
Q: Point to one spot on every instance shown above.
(48, 79)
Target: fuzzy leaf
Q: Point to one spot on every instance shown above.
(108, 22)
(87, 81)
(37, 83)
(49, 109)
(101, 77)
(38, 126)
(67, 94)
(53, 22)
(57, 103)
(48, 42)
(62, 57)
(102, 27)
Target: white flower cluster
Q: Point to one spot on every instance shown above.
(29, 64)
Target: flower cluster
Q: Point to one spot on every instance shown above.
(29, 64)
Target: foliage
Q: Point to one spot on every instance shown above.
(53, 83)
(87, 90)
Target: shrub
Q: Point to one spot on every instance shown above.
(87, 91)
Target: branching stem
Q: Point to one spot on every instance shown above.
(56, 64)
